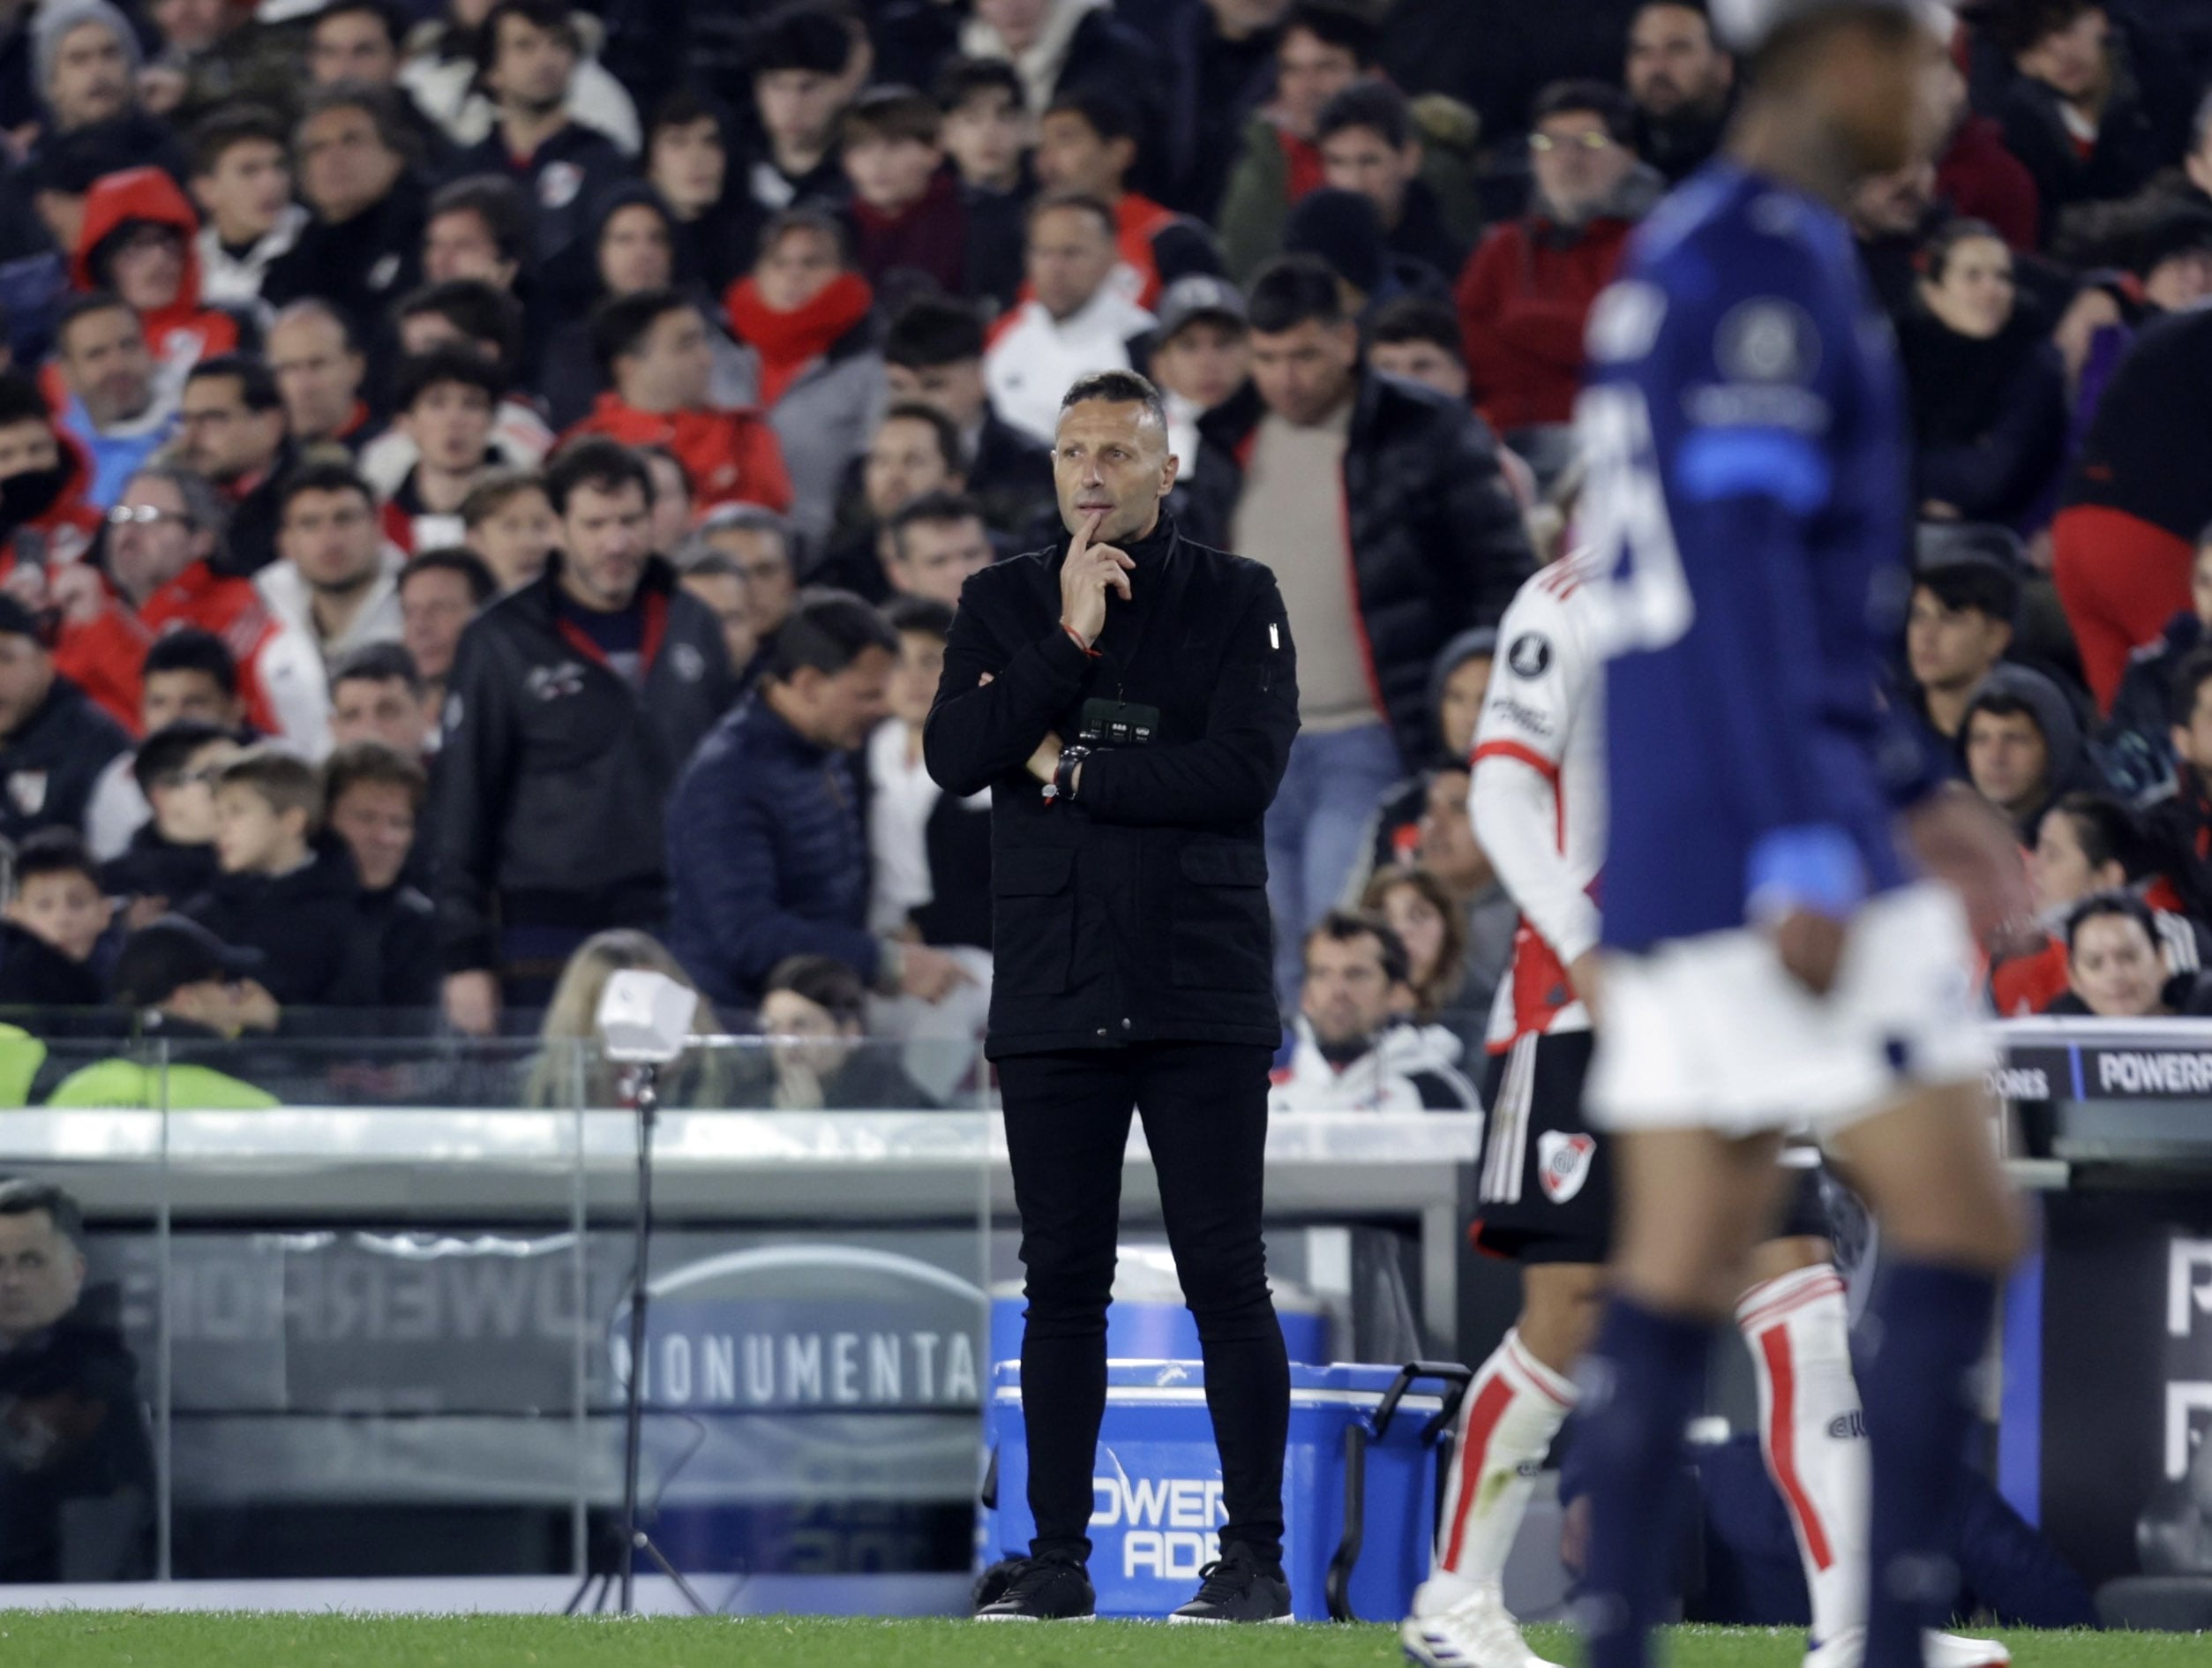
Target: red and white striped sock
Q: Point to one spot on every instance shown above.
(1512, 1410)
(1812, 1432)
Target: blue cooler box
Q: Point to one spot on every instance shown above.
(1156, 1486)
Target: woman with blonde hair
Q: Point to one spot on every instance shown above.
(571, 1031)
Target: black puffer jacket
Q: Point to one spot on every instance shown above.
(1438, 545)
(554, 772)
(52, 761)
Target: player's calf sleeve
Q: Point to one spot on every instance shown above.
(1926, 1327)
(1797, 1329)
(1640, 1384)
(1512, 1411)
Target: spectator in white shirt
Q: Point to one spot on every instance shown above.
(1077, 320)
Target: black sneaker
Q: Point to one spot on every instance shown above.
(1239, 1588)
(1049, 1589)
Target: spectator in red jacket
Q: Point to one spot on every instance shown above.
(139, 240)
(1978, 176)
(909, 227)
(1524, 296)
(654, 350)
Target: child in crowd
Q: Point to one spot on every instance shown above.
(172, 856)
(56, 917)
(288, 889)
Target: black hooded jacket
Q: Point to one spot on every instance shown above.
(2071, 769)
(554, 772)
(1436, 542)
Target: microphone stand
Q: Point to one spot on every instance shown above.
(645, 1089)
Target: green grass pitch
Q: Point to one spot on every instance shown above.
(99, 1639)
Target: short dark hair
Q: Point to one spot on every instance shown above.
(1117, 388)
(1109, 116)
(359, 761)
(940, 426)
(819, 222)
(321, 475)
(803, 36)
(2015, 28)
(960, 78)
(685, 107)
(922, 614)
(482, 584)
(620, 324)
(1935, 254)
(1292, 289)
(496, 201)
(824, 981)
(550, 16)
(22, 400)
(448, 361)
(1082, 202)
(930, 331)
(2001, 704)
(162, 756)
(1336, 25)
(891, 114)
(826, 630)
(2105, 829)
(595, 461)
(382, 11)
(84, 306)
(479, 310)
(2121, 905)
(20, 1196)
(1418, 319)
(1346, 927)
(258, 390)
(1983, 586)
(1374, 104)
(191, 650)
(53, 851)
(1606, 103)
(378, 662)
(2189, 678)
(380, 104)
(932, 508)
(227, 125)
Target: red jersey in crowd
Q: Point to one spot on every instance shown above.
(731, 456)
(281, 672)
(184, 333)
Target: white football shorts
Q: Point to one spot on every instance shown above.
(1712, 1032)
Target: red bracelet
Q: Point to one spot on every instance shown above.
(1077, 638)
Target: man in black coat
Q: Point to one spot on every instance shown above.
(571, 707)
(1345, 480)
(77, 1470)
(53, 742)
(1129, 697)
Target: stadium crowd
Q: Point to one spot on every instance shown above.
(484, 489)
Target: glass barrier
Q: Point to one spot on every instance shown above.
(358, 1307)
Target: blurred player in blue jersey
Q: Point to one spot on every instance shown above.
(1790, 896)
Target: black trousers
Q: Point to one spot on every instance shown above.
(1204, 1106)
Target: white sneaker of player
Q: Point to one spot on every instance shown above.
(1478, 1632)
(1937, 1651)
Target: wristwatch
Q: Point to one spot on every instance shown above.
(1062, 786)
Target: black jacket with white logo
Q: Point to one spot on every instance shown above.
(554, 772)
(50, 766)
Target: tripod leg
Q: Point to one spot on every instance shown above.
(644, 1543)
